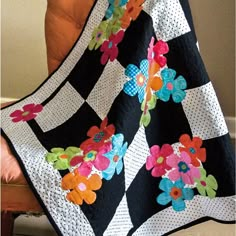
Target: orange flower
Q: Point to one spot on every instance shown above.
(82, 187)
(133, 9)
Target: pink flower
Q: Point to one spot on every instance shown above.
(156, 52)
(92, 158)
(109, 47)
(158, 159)
(182, 168)
(28, 112)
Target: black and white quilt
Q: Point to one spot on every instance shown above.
(127, 136)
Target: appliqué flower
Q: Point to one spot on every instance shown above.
(82, 187)
(29, 112)
(182, 168)
(146, 107)
(175, 193)
(109, 48)
(92, 158)
(156, 52)
(115, 156)
(157, 160)
(60, 158)
(114, 25)
(133, 9)
(98, 136)
(193, 148)
(206, 185)
(138, 81)
(98, 36)
(172, 86)
(114, 4)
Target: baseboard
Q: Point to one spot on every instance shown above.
(231, 124)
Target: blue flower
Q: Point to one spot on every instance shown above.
(172, 86)
(174, 192)
(115, 156)
(113, 5)
(138, 81)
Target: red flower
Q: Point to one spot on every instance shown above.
(193, 148)
(98, 136)
(28, 112)
(159, 49)
(109, 47)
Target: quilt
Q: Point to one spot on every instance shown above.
(127, 136)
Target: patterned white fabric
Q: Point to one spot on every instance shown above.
(203, 112)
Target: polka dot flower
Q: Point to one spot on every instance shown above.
(28, 112)
(81, 188)
(172, 87)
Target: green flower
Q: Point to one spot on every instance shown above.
(60, 158)
(146, 107)
(206, 185)
(98, 36)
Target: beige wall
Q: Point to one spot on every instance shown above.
(215, 28)
(23, 50)
(24, 53)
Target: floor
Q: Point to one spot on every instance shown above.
(40, 226)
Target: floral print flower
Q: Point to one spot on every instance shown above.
(29, 112)
(82, 187)
(193, 148)
(115, 156)
(156, 52)
(182, 168)
(92, 158)
(138, 81)
(133, 9)
(109, 48)
(98, 136)
(157, 161)
(114, 4)
(60, 158)
(114, 25)
(172, 86)
(98, 36)
(146, 107)
(175, 193)
(206, 185)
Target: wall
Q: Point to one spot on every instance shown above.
(24, 53)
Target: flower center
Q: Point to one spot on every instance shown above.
(175, 193)
(110, 45)
(116, 3)
(82, 187)
(183, 167)
(170, 86)
(64, 156)
(98, 36)
(115, 158)
(131, 9)
(26, 113)
(90, 156)
(98, 137)
(192, 150)
(203, 183)
(160, 160)
(140, 80)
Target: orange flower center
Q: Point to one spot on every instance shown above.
(64, 156)
(26, 113)
(115, 158)
(175, 193)
(82, 187)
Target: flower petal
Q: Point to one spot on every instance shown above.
(37, 108)
(28, 107)
(16, 113)
(185, 140)
(165, 185)
(130, 88)
(131, 71)
(101, 162)
(155, 150)
(150, 162)
(89, 197)
(95, 182)
(85, 169)
(30, 116)
(144, 64)
(185, 157)
(180, 83)
(168, 74)
(17, 119)
(210, 192)
(178, 205)
(69, 181)
(201, 189)
(179, 183)
(119, 167)
(211, 182)
(174, 175)
(74, 197)
(157, 172)
(188, 193)
(178, 96)
(163, 198)
(166, 150)
(108, 173)
(201, 154)
(76, 160)
(173, 160)
(104, 58)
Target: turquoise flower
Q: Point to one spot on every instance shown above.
(139, 78)
(115, 156)
(172, 86)
(113, 5)
(175, 193)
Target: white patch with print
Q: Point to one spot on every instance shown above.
(56, 111)
(107, 88)
(203, 112)
(169, 21)
(135, 156)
